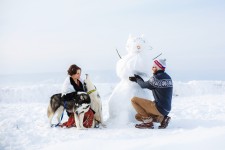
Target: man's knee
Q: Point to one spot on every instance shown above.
(134, 99)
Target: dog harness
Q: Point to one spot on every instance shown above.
(91, 91)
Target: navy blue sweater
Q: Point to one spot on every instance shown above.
(162, 88)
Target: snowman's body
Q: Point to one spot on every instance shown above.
(137, 61)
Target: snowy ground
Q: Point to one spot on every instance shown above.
(198, 121)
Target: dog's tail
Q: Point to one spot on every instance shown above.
(49, 111)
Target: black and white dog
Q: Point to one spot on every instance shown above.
(79, 103)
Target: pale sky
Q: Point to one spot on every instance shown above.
(48, 35)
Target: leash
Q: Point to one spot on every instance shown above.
(56, 125)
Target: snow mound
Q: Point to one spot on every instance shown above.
(43, 92)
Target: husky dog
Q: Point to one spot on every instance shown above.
(78, 104)
(96, 103)
(81, 106)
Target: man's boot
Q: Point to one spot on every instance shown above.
(138, 117)
(165, 122)
(147, 123)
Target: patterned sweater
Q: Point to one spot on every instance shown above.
(162, 88)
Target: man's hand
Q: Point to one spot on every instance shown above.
(138, 77)
(133, 79)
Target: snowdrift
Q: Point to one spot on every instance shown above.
(197, 122)
(42, 92)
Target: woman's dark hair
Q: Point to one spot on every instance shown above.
(73, 69)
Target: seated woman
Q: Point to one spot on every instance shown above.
(71, 84)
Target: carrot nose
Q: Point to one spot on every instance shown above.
(138, 47)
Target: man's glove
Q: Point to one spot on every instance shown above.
(133, 79)
(138, 77)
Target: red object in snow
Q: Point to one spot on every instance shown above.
(87, 122)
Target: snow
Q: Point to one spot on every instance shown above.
(198, 120)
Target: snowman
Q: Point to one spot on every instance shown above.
(138, 60)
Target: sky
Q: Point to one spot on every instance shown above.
(50, 35)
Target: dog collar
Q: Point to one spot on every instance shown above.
(91, 91)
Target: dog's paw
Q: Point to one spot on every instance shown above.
(82, 128)
(104, 125)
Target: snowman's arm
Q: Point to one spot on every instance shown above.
(145, 84)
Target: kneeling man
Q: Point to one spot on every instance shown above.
(161, 86)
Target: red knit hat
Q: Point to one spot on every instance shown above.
(161, 63)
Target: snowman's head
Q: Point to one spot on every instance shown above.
(137, 44)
